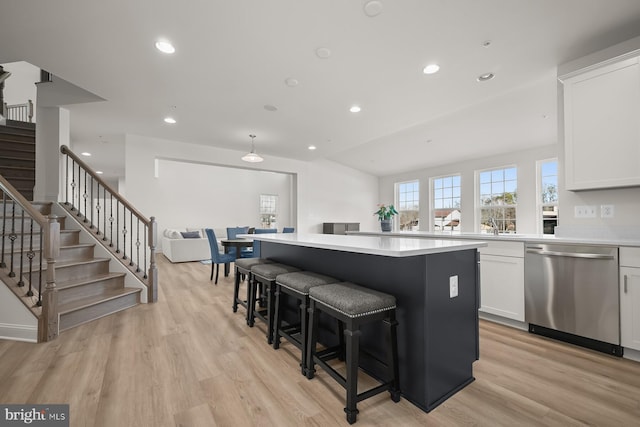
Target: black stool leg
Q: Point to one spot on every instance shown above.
(392, 324)
(311, 340)
(249, 306)
(304, 322)
(352, 341)
(277, 318)
(251, 300)
(270, 309)
(236, 290)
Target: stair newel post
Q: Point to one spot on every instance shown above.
(153, 268)
(48, 327)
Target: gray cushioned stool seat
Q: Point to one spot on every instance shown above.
(352, 300)
(247, 263)
(271, 270)
(302, 281)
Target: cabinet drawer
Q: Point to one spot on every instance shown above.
(512, 249)
(629, 257)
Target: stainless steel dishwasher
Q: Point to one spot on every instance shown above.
(571, 294)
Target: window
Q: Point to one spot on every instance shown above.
(548, 195)
(446, 203)
(408, 204)
(498, 195)
(268, 210)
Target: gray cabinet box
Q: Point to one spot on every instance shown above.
(339, 227)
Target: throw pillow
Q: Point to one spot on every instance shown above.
(190, 234)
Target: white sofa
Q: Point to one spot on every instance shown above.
(178, 249)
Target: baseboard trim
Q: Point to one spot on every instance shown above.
(18, 332)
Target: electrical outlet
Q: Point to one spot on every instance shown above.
(606, 211)
(453, 286)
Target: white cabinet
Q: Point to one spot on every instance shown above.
(602, 126)
(630, 298)
(502, 279)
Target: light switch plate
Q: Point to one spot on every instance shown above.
(453, 286)
(606, 211)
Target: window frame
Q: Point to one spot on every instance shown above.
(478, 194)
(539, 191)
(397, 185)
(432, 208)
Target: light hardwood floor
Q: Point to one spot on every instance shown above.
(188, 360)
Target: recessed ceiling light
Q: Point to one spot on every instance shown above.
(86, 154)
(485, 77)
(99, 172)
(291, 82)
(271, 108)
(486, 43)
(355, 109)
(311, 147)
(431, 69)
(372, 8)
(170, 120)
(165, 47)
(323, 52)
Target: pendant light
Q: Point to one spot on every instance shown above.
(252, 157)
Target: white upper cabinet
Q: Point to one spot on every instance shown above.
(602, 126)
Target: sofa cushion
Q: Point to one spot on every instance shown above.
(190, 234)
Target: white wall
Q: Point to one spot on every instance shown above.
(16, 321)
(324, 191)
(218, 196)
(525, 161)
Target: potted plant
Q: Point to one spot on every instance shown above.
(385, 215)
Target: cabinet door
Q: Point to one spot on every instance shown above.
(630, 307)
(602, 127)
(502, 286)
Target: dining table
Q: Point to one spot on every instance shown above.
(237, 243)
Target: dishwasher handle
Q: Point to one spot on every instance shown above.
(569, 254)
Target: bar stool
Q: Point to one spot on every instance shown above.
(243, 267)
(296, 284)
(265, 276)
(355, 306)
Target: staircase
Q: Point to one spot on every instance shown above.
(87, 286)
(18, 156)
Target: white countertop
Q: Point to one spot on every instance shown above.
(385, 245)
(534, 238)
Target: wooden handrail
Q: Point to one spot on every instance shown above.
(65, 150)
(22, 202)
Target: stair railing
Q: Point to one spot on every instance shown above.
(29, 249)
(115, 221)
(20, 112)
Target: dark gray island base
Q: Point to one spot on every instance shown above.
(437, 334)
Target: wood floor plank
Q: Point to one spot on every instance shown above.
(188, 360)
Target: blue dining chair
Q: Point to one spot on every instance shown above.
(265, 230)
(256, 243)
(216, 257)
(288, 230)
(232, 233)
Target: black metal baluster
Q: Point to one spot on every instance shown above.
(79, 195)
(4, 226)
(104, 217)
(12, 237)
(124, 231)
(30, 255)
(98, 207)
(138, 246)
(66, 179)
(21, 279)
(111, 220)
(73, 184)
(39, 303)
(145, 252)
(91, 206)
(85, 196)
(131, 238)
(117, 226)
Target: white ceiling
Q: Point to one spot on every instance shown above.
(233, 57)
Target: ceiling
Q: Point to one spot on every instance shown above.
(233, 58)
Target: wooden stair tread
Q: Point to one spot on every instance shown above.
(90, 301)
(79, 262)
(79, 245)
(92, 279)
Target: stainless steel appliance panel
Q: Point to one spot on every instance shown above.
(574, 289)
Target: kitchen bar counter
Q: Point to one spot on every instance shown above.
(507, 237)
(436, 286)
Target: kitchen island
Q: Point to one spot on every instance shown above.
(436, 286)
